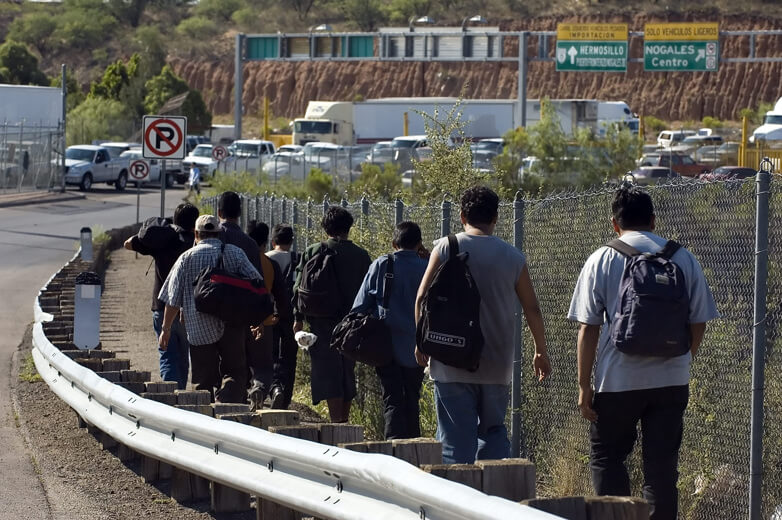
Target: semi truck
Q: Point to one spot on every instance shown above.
(347, 123)
(30, 106)
(771, 129)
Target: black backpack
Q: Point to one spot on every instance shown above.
(653, 306)
(319, 295)
(289, 275)
(364, 337)
(157, 233)
(449, 329)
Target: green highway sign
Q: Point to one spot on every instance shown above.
(681, 47)
(592, 56)
(598, 47)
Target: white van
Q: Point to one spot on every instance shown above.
(668, 138)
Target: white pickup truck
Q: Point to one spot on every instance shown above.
(88, 164)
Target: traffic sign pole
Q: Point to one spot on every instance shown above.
(163, 188)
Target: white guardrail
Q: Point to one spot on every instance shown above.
(312, 478)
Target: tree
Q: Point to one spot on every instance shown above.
(33, 29)
(130, 10)
(99, 118)
(302, 7)
(19, 66)
(199, 119)
(366, 14)
(163, 87)
(75, 93)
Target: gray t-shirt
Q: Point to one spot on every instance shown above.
(496, 267)
(594, 303)
(283, 258)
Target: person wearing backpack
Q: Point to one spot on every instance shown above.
(260, 349)
(471, 402)
(285, 349)
(642, 304)
(401, 379)
(328, 277)
(164, 242)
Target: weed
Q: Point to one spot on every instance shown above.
(28, 373)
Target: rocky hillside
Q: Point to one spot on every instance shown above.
(670, 96)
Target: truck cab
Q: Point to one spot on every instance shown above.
(771, 129)
(325, 122)
(250, 154)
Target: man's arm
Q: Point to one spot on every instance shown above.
(588, 336)
(134, 244)
(426, 281)
(169, 315)
(298, 317)
(532, 313)
(697, 331)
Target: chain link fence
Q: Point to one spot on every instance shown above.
(30, 157)
(714, 220)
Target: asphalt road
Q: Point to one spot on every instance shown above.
(35, 241)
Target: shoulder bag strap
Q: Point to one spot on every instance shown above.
(453, 245)
(669, 249)
(220, 264)
(623, 247)
(388, 280)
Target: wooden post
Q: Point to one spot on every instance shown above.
(269, 418)
(161, 387)
(169, 399)
(187, 487)
(248, 418)
(221, 408)
(513, 479)
(418, 451)
(572, 508)
(467, 474)
(228, 500)
(204, 409)
(308, 432)
(268, 510)
(618, 508)
(115, 364)
(336, 433)
(193, 397)
(383, 447)
(126, 454)
(150, 469)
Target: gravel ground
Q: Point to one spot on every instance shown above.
(82, 480)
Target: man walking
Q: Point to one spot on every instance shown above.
(332, 375)
(174, 240)
(216, 348)
(652, 386)
(285, 350)
(471, 406)
(401, 380)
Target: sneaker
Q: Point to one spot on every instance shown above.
(278, 399)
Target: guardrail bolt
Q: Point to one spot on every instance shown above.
(339, 486)
(270, 465)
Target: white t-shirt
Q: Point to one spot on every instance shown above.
(283, 258)
(594, 303)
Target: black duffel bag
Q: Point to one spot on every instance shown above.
(231, 297)
(364, 337)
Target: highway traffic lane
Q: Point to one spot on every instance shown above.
(35, 241)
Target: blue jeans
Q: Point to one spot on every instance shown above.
(175, 360)
(471, 421)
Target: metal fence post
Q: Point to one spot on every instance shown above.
(309, 220)
(518, 448)
(271, 211)
(325, 204)
(295, 224)
(364, 205)
(258, 206)
(759, 339)
(445, 222)
(344, 202)
(399, 211)
(284, 217)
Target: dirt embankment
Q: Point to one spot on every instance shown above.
(671, 96)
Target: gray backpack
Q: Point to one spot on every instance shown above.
(653, 305)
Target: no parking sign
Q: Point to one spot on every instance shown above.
(164, 137)
(139, 170)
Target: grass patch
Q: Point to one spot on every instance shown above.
(28, 373)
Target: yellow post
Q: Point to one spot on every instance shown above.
(405, 124)
(743, 146)
(266, 118)
(641, 129)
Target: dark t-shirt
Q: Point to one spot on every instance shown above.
(351, 263)
(164, 259)
(230, 233)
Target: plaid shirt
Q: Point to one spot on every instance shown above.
(177, 290)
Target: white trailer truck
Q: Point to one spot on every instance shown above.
(30, 106)
(346, 123)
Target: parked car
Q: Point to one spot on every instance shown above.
(693, 142)
(708, 155)
(492, 144)
(135, 154)
(668, 138)
(681, 163)
(653, 174)
(729, 152)
(291, 148)
(649, 159)
(249, 154)
(286, 164)
(380, 153)
(202, 157)
(87, 164)
(729, 172)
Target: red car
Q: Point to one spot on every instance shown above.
(678, 162)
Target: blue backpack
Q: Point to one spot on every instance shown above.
(653, 305)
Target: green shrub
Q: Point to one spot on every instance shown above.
(197, 28)
(217, 9)
(82, 29)
(99, 118)
(246, 18)
(33, 29)
(653, 125)
(712, 122)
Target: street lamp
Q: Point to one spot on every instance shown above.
(426, 20)
(473, 19)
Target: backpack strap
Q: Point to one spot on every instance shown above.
(388, 280)
(453, 245)
(220, 257)
(669, 249)
(623, 247)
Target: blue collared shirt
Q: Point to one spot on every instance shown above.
(409, 269)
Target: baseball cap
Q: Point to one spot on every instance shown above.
(208, 223)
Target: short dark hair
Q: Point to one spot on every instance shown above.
(479, 205)
(229, 205)
(258, 231)
(407, 235)
(282, 234)
(208, 234)
(337, 221)
(185, 216)
(632, 208)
